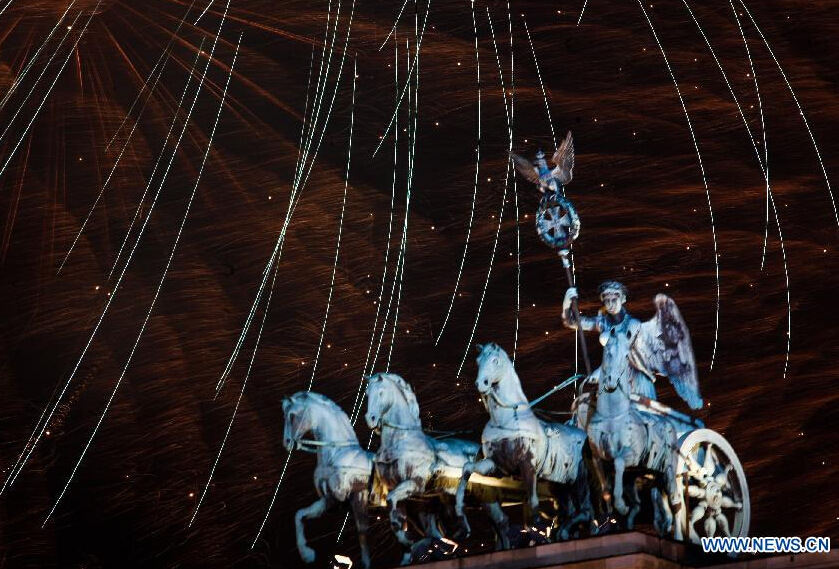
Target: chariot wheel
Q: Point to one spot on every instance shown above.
(557, 222)
(715, 495)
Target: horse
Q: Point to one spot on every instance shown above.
(516, 442)
(344, 470)
(630, 439)
(411, 464)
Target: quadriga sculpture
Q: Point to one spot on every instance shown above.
(515, 442)
(411, 464)
(343, 471)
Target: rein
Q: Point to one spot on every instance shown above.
(311, 445)
(385, 423)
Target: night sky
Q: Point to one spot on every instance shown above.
(639, 188)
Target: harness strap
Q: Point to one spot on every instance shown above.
(311, 445)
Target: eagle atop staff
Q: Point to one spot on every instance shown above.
(539, 174)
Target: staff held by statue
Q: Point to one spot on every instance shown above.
(557, 222)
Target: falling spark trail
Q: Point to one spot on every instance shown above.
(340, 233)
(305, 111)
(159, 158)
(238, 400)
(541, 84)
(162, 278)
(742, 115)
(41, 76)
(395, 23)
(166, 50)
(32, 60)
(704, 179)
(273, 499)
(503, 200)
(21, 460)
(800, 110)
(294, 199)
(121, 276)
(400, 260)
(786, 277)
(356, 407)
(320, 88)
(407, 85)
(298, 169)
(412, 142)
(201, 15)
(281, 240)
(515, 186)
(553, 137)
(9, 3)
(49, 91)
(329, 110)
(110, 175)
(583, 11)
(152, 73)
(769, 194)
(474, 188)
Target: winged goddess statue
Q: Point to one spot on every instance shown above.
(538, 173)
(658, 347)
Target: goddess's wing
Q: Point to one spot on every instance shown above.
(662, 346)
(526, 168)
(564, 160)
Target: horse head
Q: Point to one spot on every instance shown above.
(615, 371)
(388, 394)
(493, 367)
(297, 419)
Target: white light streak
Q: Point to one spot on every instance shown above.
(340, 233)
(159, 158)
(474, 187)
(704, 179)
(503, 200)
(541, 84)
(112, 296)
(769, 194)
(32, 60)
(407, 85)
(38, 80)
(800, 110)
(21, 460)
(110, 175)
(395, 23)
(165, 270)
(278, 251)
(356, 407)
(166, 52)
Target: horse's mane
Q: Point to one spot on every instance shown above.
(407, 391)
(321, 400)
(492, 349)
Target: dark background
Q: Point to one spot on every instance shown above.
(637, 187)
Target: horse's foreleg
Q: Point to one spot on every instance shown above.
(358, 502)
(398, 517)
(661, 512)
(500, 523)
(603, 481)
(635, 504)
(484, 467)
(528, 476)
(673, 495)
(307, 554)
(620, 504)
(428, 522)
(580, 508)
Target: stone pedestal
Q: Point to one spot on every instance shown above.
(629, 551)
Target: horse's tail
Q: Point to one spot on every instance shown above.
(582, 484)
(596, 507)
